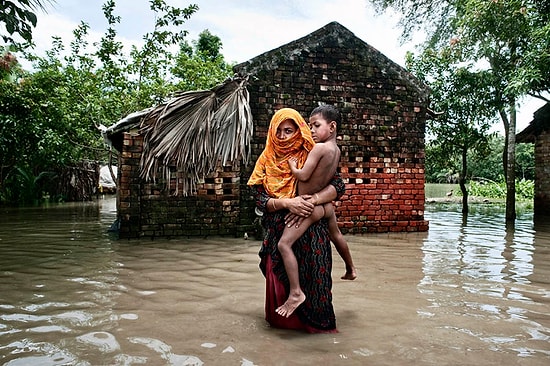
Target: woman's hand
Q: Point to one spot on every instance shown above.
(300, 207)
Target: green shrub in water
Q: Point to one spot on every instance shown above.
(525, 189)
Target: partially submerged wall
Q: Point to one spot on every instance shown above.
(542, 174)
(382, 141)
(382, 136)
(150, 209)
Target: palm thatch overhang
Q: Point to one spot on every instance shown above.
(194, 130)
(114, 135)
(540, 123)
(333, 35)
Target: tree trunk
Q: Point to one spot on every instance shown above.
(510, 166)
(506, 123)
(462, 180)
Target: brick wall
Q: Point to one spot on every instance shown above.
(382, 142)
(151, 209)
(542, 174)
(382, 135)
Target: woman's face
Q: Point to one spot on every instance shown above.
(286, 129)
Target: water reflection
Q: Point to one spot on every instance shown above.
(466, 292)
(480, 280)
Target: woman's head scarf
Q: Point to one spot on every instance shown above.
(272, 169)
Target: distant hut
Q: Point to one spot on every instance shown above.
(538, 133)
(384, 110)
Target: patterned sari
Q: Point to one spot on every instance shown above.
(313, 252)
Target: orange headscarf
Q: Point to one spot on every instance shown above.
(272, 169)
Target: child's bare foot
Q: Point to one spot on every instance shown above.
(291, 304)
(350, 274)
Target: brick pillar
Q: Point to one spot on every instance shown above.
(542, 174)
(129, 207)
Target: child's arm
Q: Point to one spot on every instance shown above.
(313, 158)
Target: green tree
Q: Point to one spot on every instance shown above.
(40, 131)
(464, 121)
(153, 61)
(439, 167)
(509, 40)
(525, 161)
(201, 66)
(208, 46)
(49, 117)
(19, 18)
(486, 164)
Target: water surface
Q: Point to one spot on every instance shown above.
(466, 292)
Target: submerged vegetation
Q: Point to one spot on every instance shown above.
(483, 195)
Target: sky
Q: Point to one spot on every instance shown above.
(247, 28)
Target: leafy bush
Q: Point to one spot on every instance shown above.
(49, 116)
(22, 186)
(525, 189)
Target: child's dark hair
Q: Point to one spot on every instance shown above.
(330, 113)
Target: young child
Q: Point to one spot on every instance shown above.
(316, 173)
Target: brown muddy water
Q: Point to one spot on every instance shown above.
(467, 292)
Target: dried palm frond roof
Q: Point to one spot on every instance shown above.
(197, 129)
(113, 135)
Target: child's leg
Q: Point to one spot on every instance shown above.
(289, 236)
(340, 243)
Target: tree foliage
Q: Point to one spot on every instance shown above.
(200, 66)
(49, 116)
(19, 18)
(484, 162)
(506, 42)
(463, 121)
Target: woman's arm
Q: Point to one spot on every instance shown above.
(301, 205)
(334, 190)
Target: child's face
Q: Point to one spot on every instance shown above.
(321, 129)
(286, 129)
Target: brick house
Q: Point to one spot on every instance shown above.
(538, 133)
(384, 109)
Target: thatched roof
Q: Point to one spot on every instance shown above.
(540, 123)
(194, 131)
(113, 135)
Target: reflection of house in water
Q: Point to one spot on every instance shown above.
(538, 133)
(382, 141)
(541, 255)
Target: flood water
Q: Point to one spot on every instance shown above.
(467, 292)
